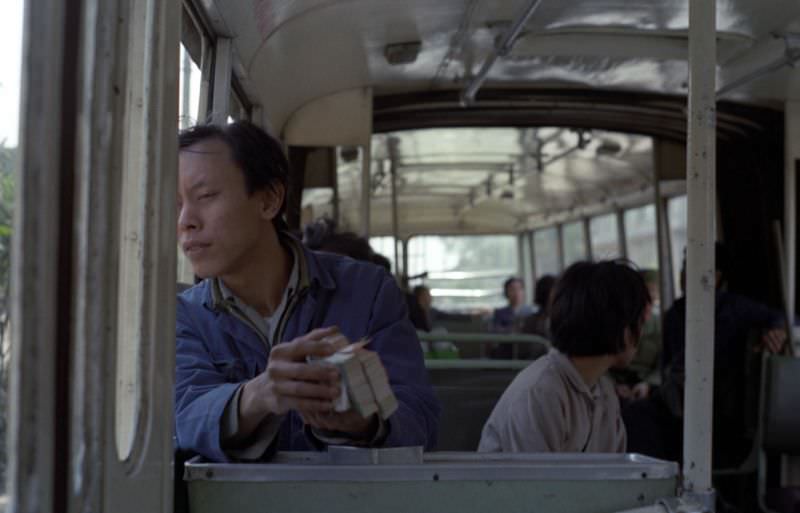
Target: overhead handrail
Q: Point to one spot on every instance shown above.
(505, 46)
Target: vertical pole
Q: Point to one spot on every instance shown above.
(560, 231)
(221, 103)
(587, 239)
(392, 143)
(366, 189)
(700, 276)
(792, 155)
(532, 249)
(621, 235)
(666, 283)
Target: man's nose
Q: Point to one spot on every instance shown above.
(187, 218)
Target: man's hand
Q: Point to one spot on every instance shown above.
(290, 383)
(773, 340)
(624, 391)
(640, 390)
(349, 422)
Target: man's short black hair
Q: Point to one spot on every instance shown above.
(509, 281)
(593, 304)
(259, 156)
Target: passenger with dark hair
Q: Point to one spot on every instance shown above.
(267, 304)
(657, 423)
(509, 319)
(321, 235)
(564, 402)
(539, 322)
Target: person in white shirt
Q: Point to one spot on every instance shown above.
(564, 402)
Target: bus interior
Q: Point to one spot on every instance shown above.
(468, 141)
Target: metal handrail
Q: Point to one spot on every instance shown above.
(477, 364)
(483, 338)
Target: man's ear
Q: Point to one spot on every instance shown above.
(272, 200)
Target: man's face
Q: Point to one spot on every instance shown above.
(515, 292)
(219, 224)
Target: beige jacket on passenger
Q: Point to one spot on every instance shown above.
(550, 408)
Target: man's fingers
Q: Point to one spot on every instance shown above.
(308, 407)
(298, 350)
(305, 390)
(302, 371)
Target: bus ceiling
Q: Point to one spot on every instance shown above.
(574, 45)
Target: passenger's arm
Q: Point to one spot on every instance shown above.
(202, 392)
(416, 421)
(204, 412)
(771, 322)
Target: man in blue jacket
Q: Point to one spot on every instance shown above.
(266, 304)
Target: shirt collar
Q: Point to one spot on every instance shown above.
(568, 370)
(221, 297)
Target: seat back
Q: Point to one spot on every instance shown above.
(781, 405)
(468, 397)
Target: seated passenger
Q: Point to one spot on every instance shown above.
(509, 318)
(538, 323)
(563, 402)
(656, 424)
(243, 387)
(644, 373)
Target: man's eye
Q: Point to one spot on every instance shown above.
(208, 195)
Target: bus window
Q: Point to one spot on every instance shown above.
(11, 28)
(189, 107)
(349, 164)
(640, 231)
(464, 272)
(676, 215)
(604, 237)
(385, 247)
(545, 252)
(189, 100)
(574, 243)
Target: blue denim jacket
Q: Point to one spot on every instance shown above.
(217, 352)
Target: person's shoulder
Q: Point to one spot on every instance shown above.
(195, 295)
(347, 272)
(540, 379)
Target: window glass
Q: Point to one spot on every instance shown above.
(189, 100)
(605, 237)
(385, 246)
(545, 252)
(676, 214)
(640, 231)
(574, 243)
(464, 272)
(11, 30)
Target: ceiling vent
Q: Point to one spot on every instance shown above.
(402, 53)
